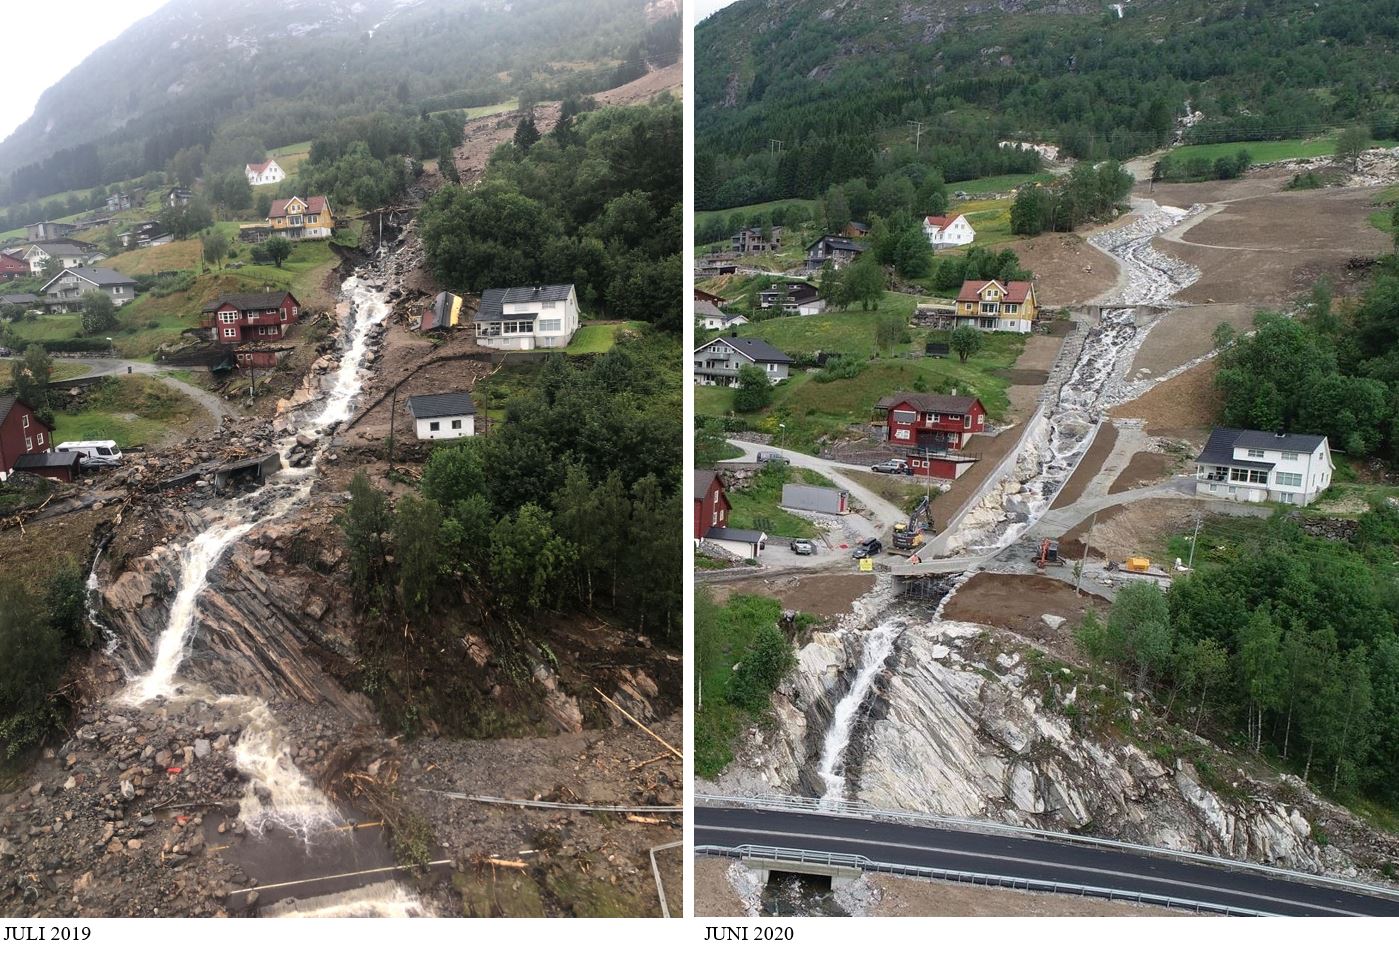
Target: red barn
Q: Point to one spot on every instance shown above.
(933, 422)
(21, 432)
(711, 505)
(240, 317)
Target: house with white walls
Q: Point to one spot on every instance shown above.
(948, 231)
(1292, 469)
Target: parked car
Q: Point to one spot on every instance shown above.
(96, 454)
(770, 457)
(803, 546)
(6, 352)
(892, 466)
(869, 548)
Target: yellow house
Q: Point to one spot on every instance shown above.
(989, 304)
(297, 218)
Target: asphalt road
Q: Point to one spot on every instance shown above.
(991, 854)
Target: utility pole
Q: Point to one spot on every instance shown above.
(252, 378)
(1087, 545)
(393, 417)
(1194, 540)
(775, 146)
(917, 127)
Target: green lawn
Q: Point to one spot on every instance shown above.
(129, 410)
(62, 370)
(812, 410)
(55, 326)
(1261, 152)
(1383, 218)
(290, 157)
(597, 338)
(850, 332)
(489, 109)
(757, 504)
(723, 637)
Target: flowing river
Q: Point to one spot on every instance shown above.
(279, 797)
(1059, 434)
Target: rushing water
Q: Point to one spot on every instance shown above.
(278, 793)
(1053, 445)
(878, 646)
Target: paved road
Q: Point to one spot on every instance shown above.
(110, 367)
(990, 854)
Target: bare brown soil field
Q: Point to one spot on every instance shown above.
(1186, 334)
(1068, 270)
(1139, 528)
(33, 554)
(1016, 602)
(821, 595)
(1265, 246)
(714, 895)
(1185, 406)
(1088, 467)
(1039, 353)
(1185, 194)
(1145, 468)
(909, 896)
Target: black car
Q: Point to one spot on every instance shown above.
(869, 548)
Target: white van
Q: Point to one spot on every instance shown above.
(96, 454)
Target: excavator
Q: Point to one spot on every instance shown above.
(909, 535)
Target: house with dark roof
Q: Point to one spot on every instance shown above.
(1243, 465)
(935, 428)
(21, 432)
(787, 295)
(25, 301)
(443, 314)
(298, 218)
(712, 520)
(144, 235)
(48, 231)
(989, 304)
(241, 317)
(438, 417)
(835, 250)
(527, 317)
(752, 239)
(52, 256)
(717, 362)
(12, 267)
(59, 465)
(64, 293)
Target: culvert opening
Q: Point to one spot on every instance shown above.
(792, 894)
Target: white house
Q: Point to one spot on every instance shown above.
(527, 317)
(55, 256)
(1259, 466)
(947, 231)
(64, 293)
(717, 362)
(746, 543)
(439, 417)
(264, 173)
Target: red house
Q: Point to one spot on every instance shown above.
(12, 268)
(21, 432)
(240, 317)
(711, 505)
(935, 428)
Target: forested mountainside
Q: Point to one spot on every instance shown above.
(833, 80)
(225, 76)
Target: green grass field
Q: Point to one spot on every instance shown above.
(1262, 152)
(757, 505)
(850, 333)
(597, 338)
(1383, 218)
(290, 157)
(132, 411)
(812, 410)
(757, 208)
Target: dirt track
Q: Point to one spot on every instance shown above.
(1261, 245)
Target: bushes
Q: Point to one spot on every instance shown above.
(36, 641)
(840, 368)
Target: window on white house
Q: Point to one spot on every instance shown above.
(456, 425)
(434, 425)
(1289, 480)
(1255, 452)
(1290, 455)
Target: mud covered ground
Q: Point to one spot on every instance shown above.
(1068, 271)
(1019, 602)
(826, 596)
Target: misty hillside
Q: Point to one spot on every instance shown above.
(198, 71)
(830, 78)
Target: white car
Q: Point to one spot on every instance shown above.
(96, 454)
